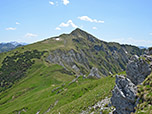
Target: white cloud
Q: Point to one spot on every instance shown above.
(57, 28)
(10, 28)
(64, 24)
(28, 35)
(50, 2)
(69, 23)
(94, 28)
(17, 23)
(86, 18)
(150, 33)
(65, 2)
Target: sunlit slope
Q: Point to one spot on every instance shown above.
(34, 93)
(47, 87)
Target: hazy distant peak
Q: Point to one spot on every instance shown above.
(15, 43)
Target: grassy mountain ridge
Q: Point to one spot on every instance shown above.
(55, 81)
(93, 48)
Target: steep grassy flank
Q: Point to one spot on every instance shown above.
(14, 67)
(34, 93)
(36, 86)
(145, 95)
(84, 94)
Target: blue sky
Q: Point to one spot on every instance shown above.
(123, 21)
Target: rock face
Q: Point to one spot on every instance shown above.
(69, 59)
(98, 107)
(94, 73)
(79, 51)
(138, 70)
(124, 93)
(150, 51)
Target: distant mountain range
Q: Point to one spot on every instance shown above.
(143, 47)
(4, 47)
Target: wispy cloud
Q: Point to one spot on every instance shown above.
(57, 28)
(50, 2)
(17, 23)
(150, 33)
(10, 28)
(94, 28)
(65, 2)
(133, 41)
(86, 18)
(69, 23)
(28, 35)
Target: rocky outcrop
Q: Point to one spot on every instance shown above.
(124, 96)
(69, 59)
(76, 68)
(99, 107)
(150, 51)
(94, 73)
(80, 51)
(137, 70)
(74, 80)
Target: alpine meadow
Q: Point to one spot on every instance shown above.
(75, 57)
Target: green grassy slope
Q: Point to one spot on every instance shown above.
(145, 95)
(34, 93)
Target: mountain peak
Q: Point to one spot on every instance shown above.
(78, 32)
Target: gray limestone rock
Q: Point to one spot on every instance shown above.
(74, 80)
(69, 59)
(124, 95)
(137, 70)
(134, 58)
(150, 51)
(94, 73)
(75, 68)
